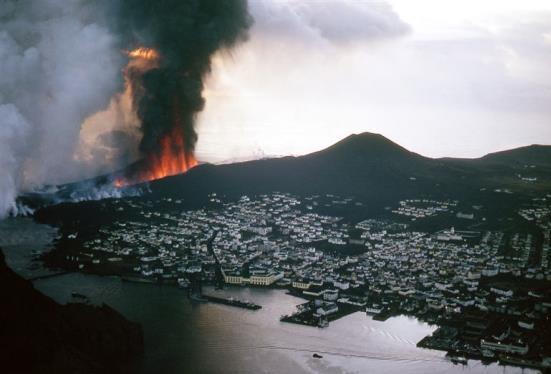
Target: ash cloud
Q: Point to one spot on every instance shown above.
(61, 62)
(186, 34)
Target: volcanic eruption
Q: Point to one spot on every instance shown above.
(87, 87)
(171, 45)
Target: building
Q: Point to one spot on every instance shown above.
(255, 280)
(326, 309)
(301, 284)
(265, 280)
(331, 295)
(233, 279)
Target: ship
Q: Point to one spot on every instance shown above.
(135, 279)
(373, 310)
(233, 302)
(198, 298)
(183, 283)
(79, 296)
(462, 360)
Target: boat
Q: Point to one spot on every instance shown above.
(183, 283)
(233, 302)
(315, 355)
(134, 279)
(373, 310)
(79, 296)
(198, 298)
(323, 323)
(457, 359)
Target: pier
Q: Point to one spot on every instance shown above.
(46, 276)
(232, 302)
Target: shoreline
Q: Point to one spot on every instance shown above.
(231, 291)
(107, 275)
(295, 318)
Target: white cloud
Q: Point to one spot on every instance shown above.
(336, 21)
(463, 85)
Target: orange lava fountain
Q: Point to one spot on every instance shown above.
(144, 53)
(172, 158)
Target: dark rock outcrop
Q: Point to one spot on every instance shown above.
(37, 335)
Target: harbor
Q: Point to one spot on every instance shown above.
(232, 302)
(175, 328)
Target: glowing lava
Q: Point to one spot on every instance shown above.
(144, 53)
(171, 157)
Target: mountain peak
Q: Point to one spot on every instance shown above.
(364, 136)
(367, 144)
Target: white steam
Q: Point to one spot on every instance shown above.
(59, 64)
(13, 131)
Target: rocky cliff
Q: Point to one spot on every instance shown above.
(37, 335)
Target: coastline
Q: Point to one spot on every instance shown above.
(176, 329)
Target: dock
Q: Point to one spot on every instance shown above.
(232, 302)
(46, 276)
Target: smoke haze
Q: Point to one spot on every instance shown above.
(62, 110)
(186, 34)
(59, 63)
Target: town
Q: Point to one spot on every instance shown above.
(487, 290)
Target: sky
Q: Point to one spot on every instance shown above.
(439, 77)
(456, 78)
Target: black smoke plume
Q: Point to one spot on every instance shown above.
(186, 33)
(61, 64)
